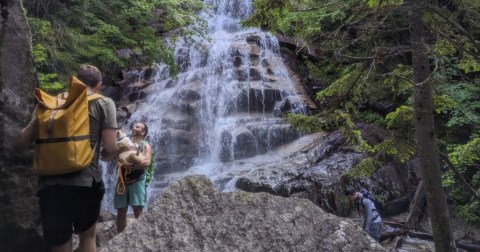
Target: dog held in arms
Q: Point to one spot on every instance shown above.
(129, 151)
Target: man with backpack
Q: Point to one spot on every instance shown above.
(68, 133)
(371, 215)
(135, 192)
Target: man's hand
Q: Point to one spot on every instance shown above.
(128, 167)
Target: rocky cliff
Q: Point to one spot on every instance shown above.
(18, 206)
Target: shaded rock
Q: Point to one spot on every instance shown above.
(317, 173)
(331, 143)
(373, 134)
(192, 216)
(19, 218)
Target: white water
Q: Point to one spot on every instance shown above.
(218, 68)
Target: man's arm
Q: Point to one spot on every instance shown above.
(109, 129)
(27, 135)
(109, 140)
(368, 206)
(148, 158)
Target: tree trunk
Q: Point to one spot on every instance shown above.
(425, 133)
(417, 206)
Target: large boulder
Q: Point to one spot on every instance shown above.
(18, 204)
(193, 216)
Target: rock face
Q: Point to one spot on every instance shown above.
(192, 216)
(317, 173)
(18, 206)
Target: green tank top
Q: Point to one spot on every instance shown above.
(149, 169)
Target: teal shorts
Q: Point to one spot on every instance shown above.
(135, 195)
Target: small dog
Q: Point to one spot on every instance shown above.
(129, 151)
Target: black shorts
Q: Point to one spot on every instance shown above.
(67, 209)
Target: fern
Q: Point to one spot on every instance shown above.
(365, 168)
(350, 131)
(401, 118)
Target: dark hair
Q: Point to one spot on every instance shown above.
(89, 75)
(350, 191)
(145, 128)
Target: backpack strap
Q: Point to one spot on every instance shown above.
(92, 97)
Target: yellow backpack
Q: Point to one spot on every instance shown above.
(62, 143)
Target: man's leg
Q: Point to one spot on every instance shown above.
(66, 247)
(137, 197)
(137, 211)
(120, 202)
(121, 219)
(56, 221)
(375, 231)
(88, 240)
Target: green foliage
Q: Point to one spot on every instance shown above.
(401, 118)
(49, 82)
(469, 64)
(350, 131)
(467, 154)
(468, 207)
(464, 104)
(469, 212)
(269, 14)
(39, 54)
(365, 168)
(306, 124)
(466, 158)
(376, 3)
(444, 47)
(343, 85)
(68, 33)
(398, 82)
(371, 117)
(401, 149)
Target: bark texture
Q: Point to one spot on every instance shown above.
(425, 133)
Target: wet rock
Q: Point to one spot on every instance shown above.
(254, 39)
(255, 74)
(328, 146)
(237, 61)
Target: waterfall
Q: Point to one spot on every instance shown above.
(224, 106)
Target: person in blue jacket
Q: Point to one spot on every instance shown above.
(371, 216)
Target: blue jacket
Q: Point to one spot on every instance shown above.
(370, 213)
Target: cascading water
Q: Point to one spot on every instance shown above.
(224, 105)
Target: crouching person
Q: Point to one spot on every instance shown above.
(371, 216)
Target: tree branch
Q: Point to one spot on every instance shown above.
(459, 175)
(456, 27)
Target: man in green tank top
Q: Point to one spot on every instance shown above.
(135, 189)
